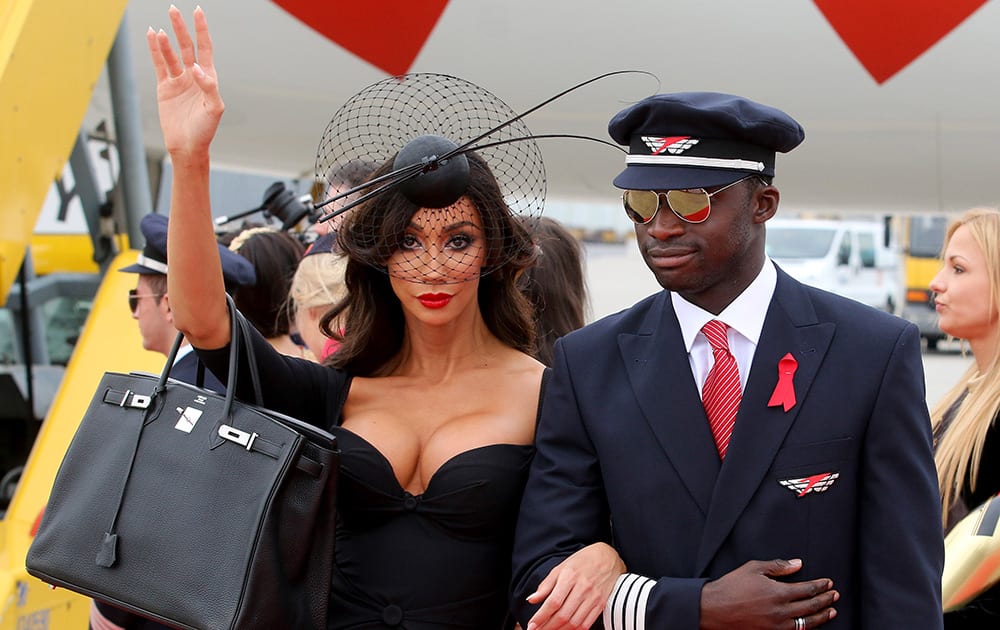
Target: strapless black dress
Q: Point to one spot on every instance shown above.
(440, 559)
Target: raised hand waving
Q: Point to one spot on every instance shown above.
(187, 87)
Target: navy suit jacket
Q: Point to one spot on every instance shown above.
(186, 370)
(625, 455)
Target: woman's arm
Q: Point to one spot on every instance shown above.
(187, 92)
(575, 592)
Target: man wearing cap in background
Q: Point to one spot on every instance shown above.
(150, 306)
(758, 452)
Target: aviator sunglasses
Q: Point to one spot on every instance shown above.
(692, 205)
(134, 297)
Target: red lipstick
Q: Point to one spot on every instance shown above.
(434, 300)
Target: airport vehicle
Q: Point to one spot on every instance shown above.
(856, 259)
(922, 241)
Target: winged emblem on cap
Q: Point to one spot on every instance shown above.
(814, 483)
(672, 144)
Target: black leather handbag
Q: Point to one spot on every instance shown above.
(193, 509)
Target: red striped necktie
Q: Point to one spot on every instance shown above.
(721, 393)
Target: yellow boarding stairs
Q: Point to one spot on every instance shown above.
(51, 55)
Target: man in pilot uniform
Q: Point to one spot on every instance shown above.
(757, 451)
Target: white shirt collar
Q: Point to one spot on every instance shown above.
(182, 352)
(744, 315)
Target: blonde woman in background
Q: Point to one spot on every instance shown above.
(967, 440)
(317, 286)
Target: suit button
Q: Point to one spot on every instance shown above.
(392, 615)
(410, 502)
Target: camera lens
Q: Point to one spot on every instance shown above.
(282, 203)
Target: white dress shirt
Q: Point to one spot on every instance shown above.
(744, 316)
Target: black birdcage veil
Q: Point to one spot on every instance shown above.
(399, 228)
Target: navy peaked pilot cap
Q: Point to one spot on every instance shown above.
(699, 139)
(237, 270)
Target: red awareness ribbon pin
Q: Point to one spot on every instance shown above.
(784, 391)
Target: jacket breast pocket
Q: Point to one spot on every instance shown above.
(814, 457)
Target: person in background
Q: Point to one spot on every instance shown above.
(226, 237)
(346, 177)
(556, 286)
(433, 395)
(317, 286)
(967, 439)
(756, 452)
(150, 306)
(150, 303)
(275, 255)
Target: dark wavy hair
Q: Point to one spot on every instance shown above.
(275, 256)
(373, 324)
(556, 286)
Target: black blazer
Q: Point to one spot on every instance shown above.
(624, 454)
(186, 370)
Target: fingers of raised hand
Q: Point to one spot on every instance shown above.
(205, 56)
(171, 66)
(184, 42)
(159, 65)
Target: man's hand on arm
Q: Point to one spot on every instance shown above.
(749, 598)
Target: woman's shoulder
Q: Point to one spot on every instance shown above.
(526, 384)
(521, 369)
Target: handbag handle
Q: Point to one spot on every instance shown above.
(172, 356)
(240, 322)
(239, 335)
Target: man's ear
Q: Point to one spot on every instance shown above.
(167, 311)
(766, 203)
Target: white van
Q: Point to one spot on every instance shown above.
(850, 258)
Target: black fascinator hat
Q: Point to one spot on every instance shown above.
(437, 139)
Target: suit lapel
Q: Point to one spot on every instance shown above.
(660, 375)
(790, 326)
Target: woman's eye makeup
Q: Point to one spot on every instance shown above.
(457, 241)
(460, 241)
